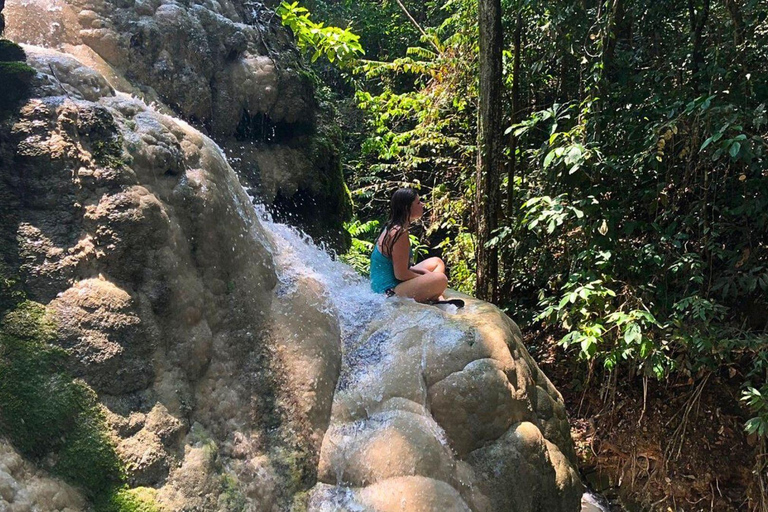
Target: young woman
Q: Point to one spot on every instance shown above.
(391, 270)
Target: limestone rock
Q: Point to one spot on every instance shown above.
(306, 340)
(476, 405)
(100, 327)
(145, 460)
(490, 428)
(133, 228)
(23, 488)
(230, 68)
(388, 444)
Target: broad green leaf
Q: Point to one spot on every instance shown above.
(548, 159)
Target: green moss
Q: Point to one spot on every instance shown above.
(122, 499)
(109, 152)
(300, 502)
(10, 289)
(47, 415)
(16, 78)
(88, 457)
(231, 499)
(10, 51)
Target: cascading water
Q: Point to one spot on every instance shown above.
(367, 352)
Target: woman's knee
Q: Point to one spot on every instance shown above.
(439, 280)
(437, 264)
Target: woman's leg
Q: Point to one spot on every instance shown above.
(433, 264)
(429, 286)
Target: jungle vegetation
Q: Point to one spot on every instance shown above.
(631, 205)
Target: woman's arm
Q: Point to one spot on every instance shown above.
(401, 258)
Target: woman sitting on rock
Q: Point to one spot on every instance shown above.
(391, 270)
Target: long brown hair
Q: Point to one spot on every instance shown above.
(399, 216)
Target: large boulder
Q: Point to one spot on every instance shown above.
(227, 67)
(133, 229)
(445, 410)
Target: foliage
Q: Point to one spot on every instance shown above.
(757, 400)
(335, 43)
(633, 223)
(363, 237)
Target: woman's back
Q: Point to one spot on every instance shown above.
(382, 269)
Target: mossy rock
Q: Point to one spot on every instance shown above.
(16, 78)
(231, 497)
(45, 413)
(11, 52)
(121, 499)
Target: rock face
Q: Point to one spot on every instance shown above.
(227, 67)
(23, 488)
(437, 411)
(134, 230)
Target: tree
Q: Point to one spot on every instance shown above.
(489, 146)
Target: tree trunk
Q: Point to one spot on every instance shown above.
(698, 19)
(512, 170)
(734, 8)
(489, 145)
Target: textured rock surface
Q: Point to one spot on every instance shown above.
(23, 488)
(134, 230)
(445, 411)
(228, 67)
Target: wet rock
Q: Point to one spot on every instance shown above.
(476, 405)
(414, 493)
(119, 217)
(386, 445)
(491, 430)
(229, 68)
(306, 341)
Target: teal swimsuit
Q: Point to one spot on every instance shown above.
(383, 272)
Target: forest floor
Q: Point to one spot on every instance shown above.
(677, 446)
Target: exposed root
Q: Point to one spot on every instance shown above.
(677, 440)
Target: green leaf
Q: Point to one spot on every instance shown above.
(632, 333)
(735, 148)
(548, 159)
(574, 155)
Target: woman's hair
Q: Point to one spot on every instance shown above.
(399, 216)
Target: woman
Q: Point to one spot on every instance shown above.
(391, 270)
